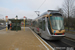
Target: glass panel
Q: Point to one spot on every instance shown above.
(43, 25)
(57, 22)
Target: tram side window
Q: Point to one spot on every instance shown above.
(34, 23)
(43, 24)
(40, 23)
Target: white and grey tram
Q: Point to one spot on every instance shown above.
(50, 25)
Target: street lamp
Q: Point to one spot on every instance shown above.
(16, 21)
(24, 23)
(6, 22)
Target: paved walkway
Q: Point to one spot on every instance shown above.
(21, 40)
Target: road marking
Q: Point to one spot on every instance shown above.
(41, 41)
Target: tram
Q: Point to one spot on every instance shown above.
(50, 25)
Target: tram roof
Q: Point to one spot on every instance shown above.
(47, 13)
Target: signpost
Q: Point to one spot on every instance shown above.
(6, 22)
(24, 23)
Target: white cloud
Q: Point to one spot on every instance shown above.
(49, 4)
(28, 14)
(34, 4)
(29, 6)
(16, 11)
(4, 10)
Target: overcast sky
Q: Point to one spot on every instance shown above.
(22, 8)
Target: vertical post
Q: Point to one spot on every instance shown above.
(6, 22)
(24, 23)
(16, 25)
(16, 22)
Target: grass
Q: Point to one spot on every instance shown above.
(70, 32)
(69, 28)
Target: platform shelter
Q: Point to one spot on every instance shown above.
(16, 24)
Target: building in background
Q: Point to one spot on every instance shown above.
(2, 22)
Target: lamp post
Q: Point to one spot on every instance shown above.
(6, 22)
(16, 22)
(24, 23)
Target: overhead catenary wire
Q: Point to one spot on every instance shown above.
(39, 8)
(41, 5)
(37, 12)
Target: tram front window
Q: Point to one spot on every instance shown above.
(57, 22)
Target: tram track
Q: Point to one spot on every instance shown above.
(69, 38)
(62, 44)
(59, 44)
(68, 41)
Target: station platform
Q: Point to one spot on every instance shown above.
(22, 40)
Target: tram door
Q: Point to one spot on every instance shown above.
(48, 23)
(43, 24)
(49, 27)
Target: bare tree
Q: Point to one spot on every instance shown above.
(61, 11)
(73, 12)
(68, 7)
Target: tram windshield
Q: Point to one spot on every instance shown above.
(57, 22)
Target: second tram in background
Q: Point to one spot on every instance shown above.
(49, 25)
